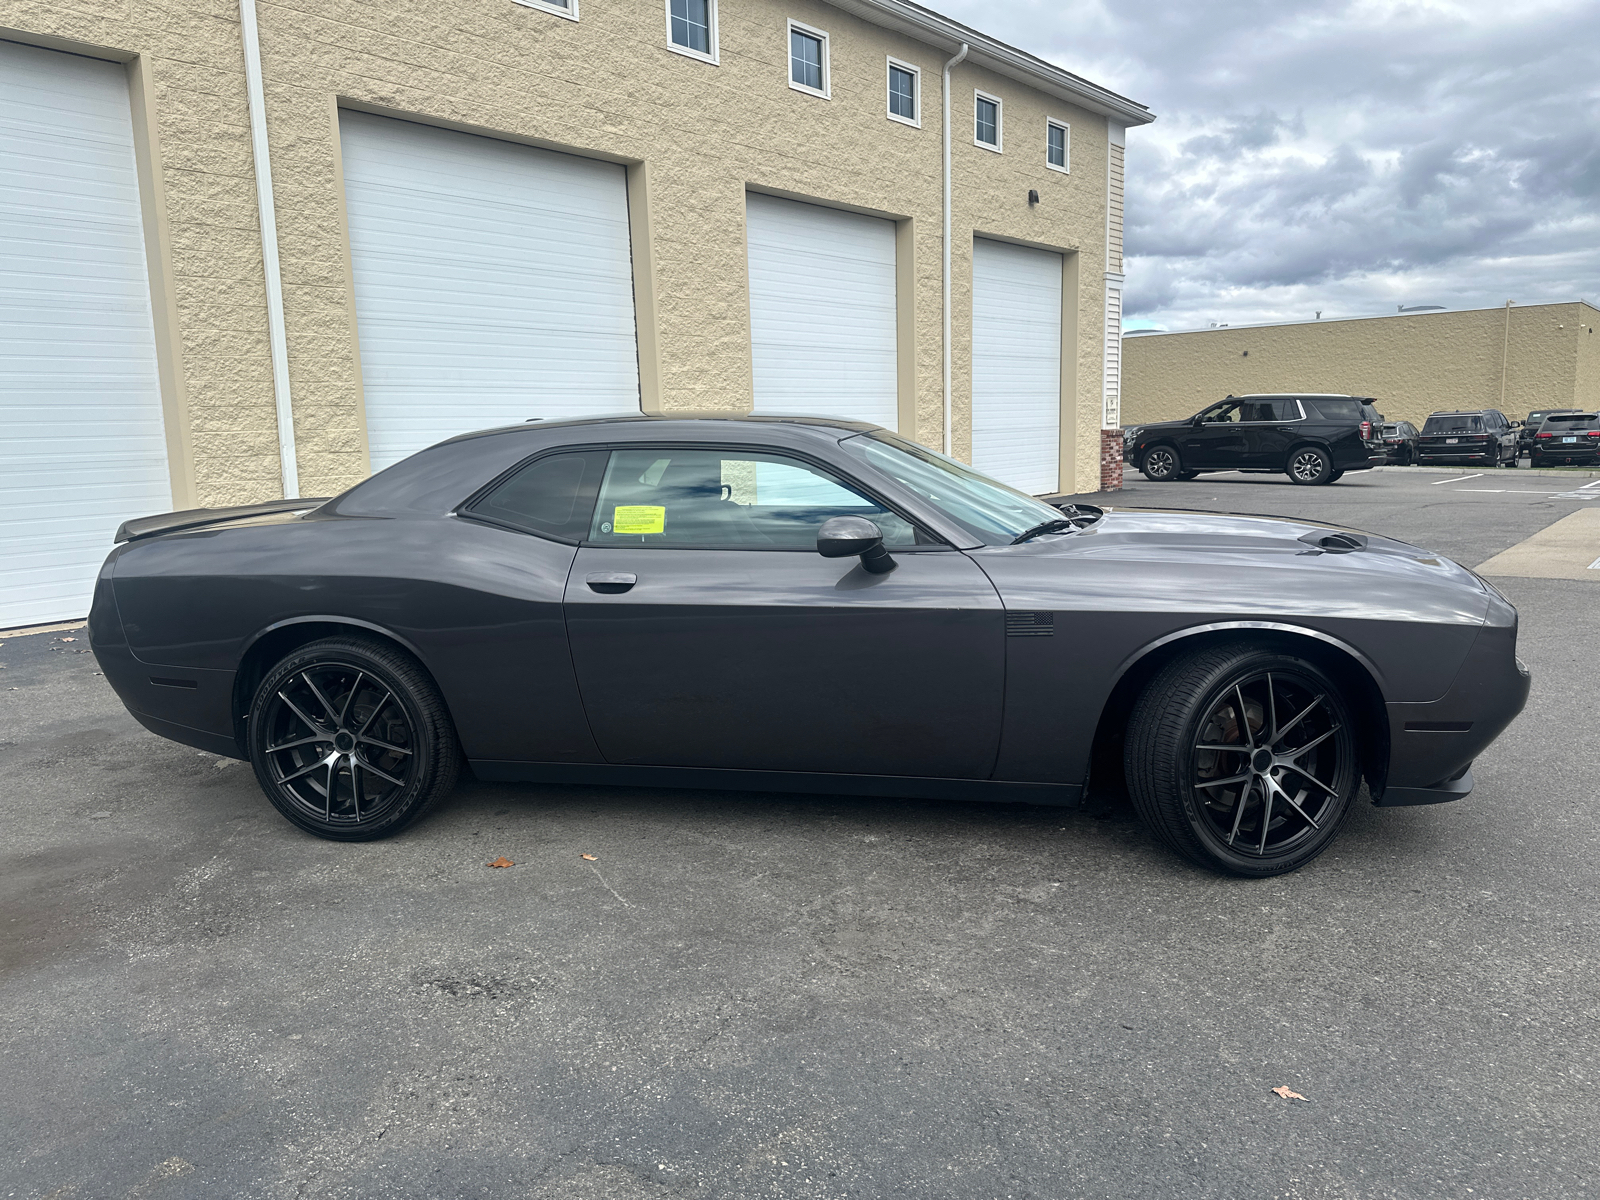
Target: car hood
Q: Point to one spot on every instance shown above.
(1170, 558)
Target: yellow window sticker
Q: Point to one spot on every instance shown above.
(639, 518)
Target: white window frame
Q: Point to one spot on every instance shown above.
(715, 57)
(1066, 130)
(826, 91)
(916, 92)
(999, 144)
(570, 12)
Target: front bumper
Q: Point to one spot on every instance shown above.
(1433, 745)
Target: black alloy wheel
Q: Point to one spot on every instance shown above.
(1243, 759)
(1310, 465)
(350, 739)
(1161, 464)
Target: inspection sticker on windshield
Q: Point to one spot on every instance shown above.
(639, 518)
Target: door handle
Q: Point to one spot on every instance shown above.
(611, 583)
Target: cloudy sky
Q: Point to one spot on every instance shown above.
(1348, 157)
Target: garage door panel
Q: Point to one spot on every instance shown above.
(82, 434)
(823, 328)
(494, 283)
(1016, 365)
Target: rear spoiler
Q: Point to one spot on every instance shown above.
(194, 518)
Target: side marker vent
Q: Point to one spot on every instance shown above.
(1030, 624)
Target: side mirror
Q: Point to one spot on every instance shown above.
(846, 537)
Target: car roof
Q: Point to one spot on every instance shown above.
(1462, 412)
(1302, 396)
(648, 419)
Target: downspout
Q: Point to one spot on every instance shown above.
(269, 249)
(945, 93)
(1505, 346)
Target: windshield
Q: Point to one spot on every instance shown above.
(1466, 423)
(992, 512)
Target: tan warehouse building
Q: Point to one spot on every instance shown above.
(1515, 359)
(256, 250)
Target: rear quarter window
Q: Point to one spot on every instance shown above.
(1335, 410)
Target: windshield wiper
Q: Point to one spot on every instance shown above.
(1060, 524)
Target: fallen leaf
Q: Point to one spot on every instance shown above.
(501, 862)
(1288, 1095)
(69, 639)
(590, 858)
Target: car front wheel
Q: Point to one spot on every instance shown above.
(1243, 759)
(1310, 465)
(350, 739)
(1161, 464)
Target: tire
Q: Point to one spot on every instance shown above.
(1335, 477)
(1310, 466)
(1188, 476)
(1161, 464)
(351, 740)
(1192, 704)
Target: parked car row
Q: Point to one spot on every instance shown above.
(1315, 439)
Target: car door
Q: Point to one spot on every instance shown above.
(1269, 427)
(706, 630)
(1215, 440)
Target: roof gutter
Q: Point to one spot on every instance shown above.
(269, 248)
(918, 22)
(945, 95)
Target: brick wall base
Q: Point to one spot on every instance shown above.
(1111, 460)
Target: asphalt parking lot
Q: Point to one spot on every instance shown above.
(748, 995)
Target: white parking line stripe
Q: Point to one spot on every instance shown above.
(1587, 486)
(1509, 492)
(1458, 479)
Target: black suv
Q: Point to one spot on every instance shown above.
(1569, 439)
(1311, 438)
(1530, 427)
(1478, 437)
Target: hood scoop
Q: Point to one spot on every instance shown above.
(1332, 542)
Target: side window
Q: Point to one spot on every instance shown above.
(1221, 413)
(1281, 410)
(551, 496)
(727, 499)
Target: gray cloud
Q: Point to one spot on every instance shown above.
(1346, 157)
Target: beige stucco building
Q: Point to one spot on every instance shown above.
(363, 226)
(1513, 359)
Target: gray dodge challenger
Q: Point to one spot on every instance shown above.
(802, 604)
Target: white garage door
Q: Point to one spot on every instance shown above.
(1016, 365)
(494, 283)
(82, 443)
(822, 311)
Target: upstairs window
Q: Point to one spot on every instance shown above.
(808, 60)
(904, 84)
(986, 123)
(1057, 146)
(562, 8)
(692, 28)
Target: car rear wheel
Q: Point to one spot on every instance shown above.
(350, 739)
(1310, 465)
(1243, 759)
(1161, 464)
